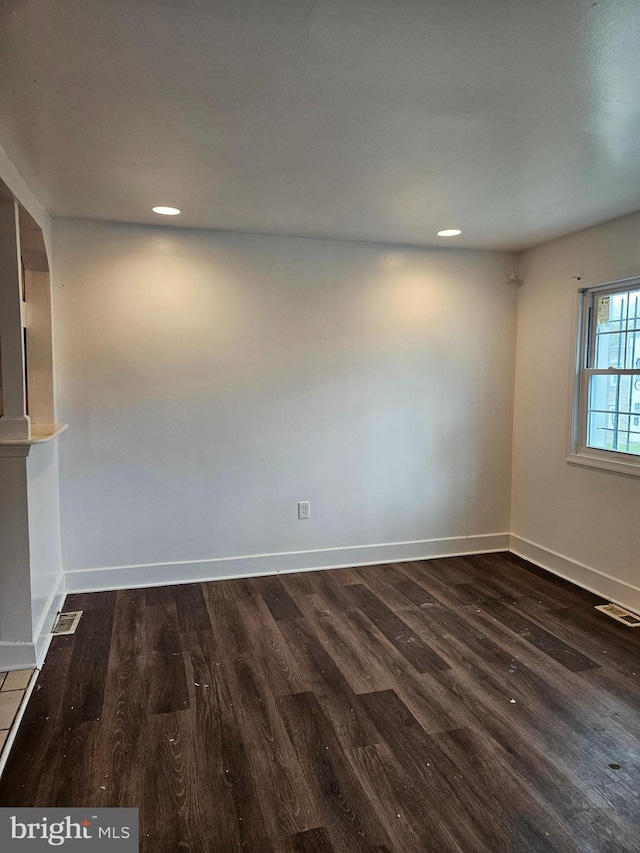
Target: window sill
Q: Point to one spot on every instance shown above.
(629, 468)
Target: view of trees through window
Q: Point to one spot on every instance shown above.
(613, 420)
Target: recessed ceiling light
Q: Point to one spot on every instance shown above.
(449, 232)
(167, 211)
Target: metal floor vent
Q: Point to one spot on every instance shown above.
(620, 614)
(66, 623)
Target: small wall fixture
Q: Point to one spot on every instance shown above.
(449, 232)
(166, 211)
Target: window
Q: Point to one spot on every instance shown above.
(606, 430)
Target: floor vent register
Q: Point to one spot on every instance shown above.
(66, 623)
(631, 620)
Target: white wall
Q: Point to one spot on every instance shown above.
(212, 380)
(578, 521)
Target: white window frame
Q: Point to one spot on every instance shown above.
(580, 454)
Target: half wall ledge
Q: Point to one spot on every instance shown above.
(39, 435)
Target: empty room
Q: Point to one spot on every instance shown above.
(320, 426)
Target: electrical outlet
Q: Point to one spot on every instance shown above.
(304, 509)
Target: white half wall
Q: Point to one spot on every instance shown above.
(579, 522)
(15, 582)
(47, 580)
(31, 578)
(212, 380)
(32, 586)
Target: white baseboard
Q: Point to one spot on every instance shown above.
(27, 655)
(587, 577)
(43, 631)
(159, 574)
(17, 656)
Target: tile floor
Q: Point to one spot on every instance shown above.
(13, 686)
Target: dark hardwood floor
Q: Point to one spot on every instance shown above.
(464, 704)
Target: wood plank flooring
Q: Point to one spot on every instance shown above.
(464, 704)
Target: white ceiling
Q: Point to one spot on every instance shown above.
(515, 120)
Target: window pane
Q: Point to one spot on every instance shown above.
(632, 359)
(609, 349)
(612, 399)
(617, 339)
